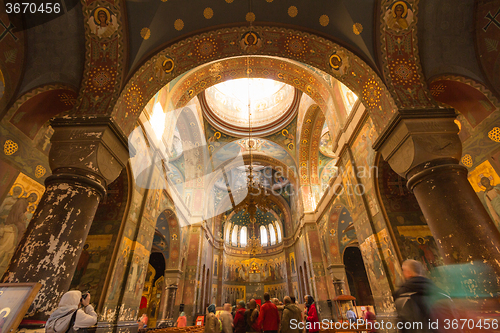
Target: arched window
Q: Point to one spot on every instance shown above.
(272, 234)
(228, 231)
(234, 236)
(243, 237)
(263, 236)
(278, 230)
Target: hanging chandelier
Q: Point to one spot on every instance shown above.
(256, 193)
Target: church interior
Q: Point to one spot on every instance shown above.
(168, 155)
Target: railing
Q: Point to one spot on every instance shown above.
(187, 329)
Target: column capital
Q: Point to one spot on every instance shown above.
(88, 148)
(415, 137)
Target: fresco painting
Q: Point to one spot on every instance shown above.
(16, 211)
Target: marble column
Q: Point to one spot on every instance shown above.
(423, 146)
(86, 155)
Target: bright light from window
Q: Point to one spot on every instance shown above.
(278, 230)
(234, 236)
(228, 230)
(157, 120)
(243, 237)
(258, 88)
(272, 234)
(263, 236)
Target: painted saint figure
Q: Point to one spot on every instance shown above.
(399, 16)
(103, 23)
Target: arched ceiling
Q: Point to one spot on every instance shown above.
(335, 20)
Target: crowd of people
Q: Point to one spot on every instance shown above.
(418, 300)
(272, 316)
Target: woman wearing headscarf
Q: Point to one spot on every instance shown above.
(312, 320)
(182, 320)
(72, 304)
(212, 324)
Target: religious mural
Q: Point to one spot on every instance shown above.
(15, 214)
(486, 182)
(293, 267)
(399, 16)
(255, 270)
(103, 22)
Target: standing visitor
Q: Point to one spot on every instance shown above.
(182, 320)
(290, 312)
(251, 316)
(351, 316)
(212, 323)
(269, 318)
(312, 320)
(227, 319)
(239, 319)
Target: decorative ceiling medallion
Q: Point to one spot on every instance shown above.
(357, 28)
(206, 48)
(145, 33)
(272, 109)
(10, 147)
(208, 13)
(372, 93)
(39, 171)
(179, 24)
(292, 11)
(467, 160)
(296, 46)
(250, 17)
(324, 20)
(494, 134)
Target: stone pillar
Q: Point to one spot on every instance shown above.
(172, 279)
(171, 293)
(86, 155)
(423, 146)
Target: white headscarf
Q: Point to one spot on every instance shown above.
(68, 304)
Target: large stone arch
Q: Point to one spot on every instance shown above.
(312, 50)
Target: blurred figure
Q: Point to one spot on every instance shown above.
(269, 318)
(290, 312)
(212, 324)
(143, 321)
(415, 300)
(311, 314)
(370, 319)
(182, 320)
(227, 319)
(279, 306)
(251, 316)
(294, 301)
(239, 323)
(72, 305)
